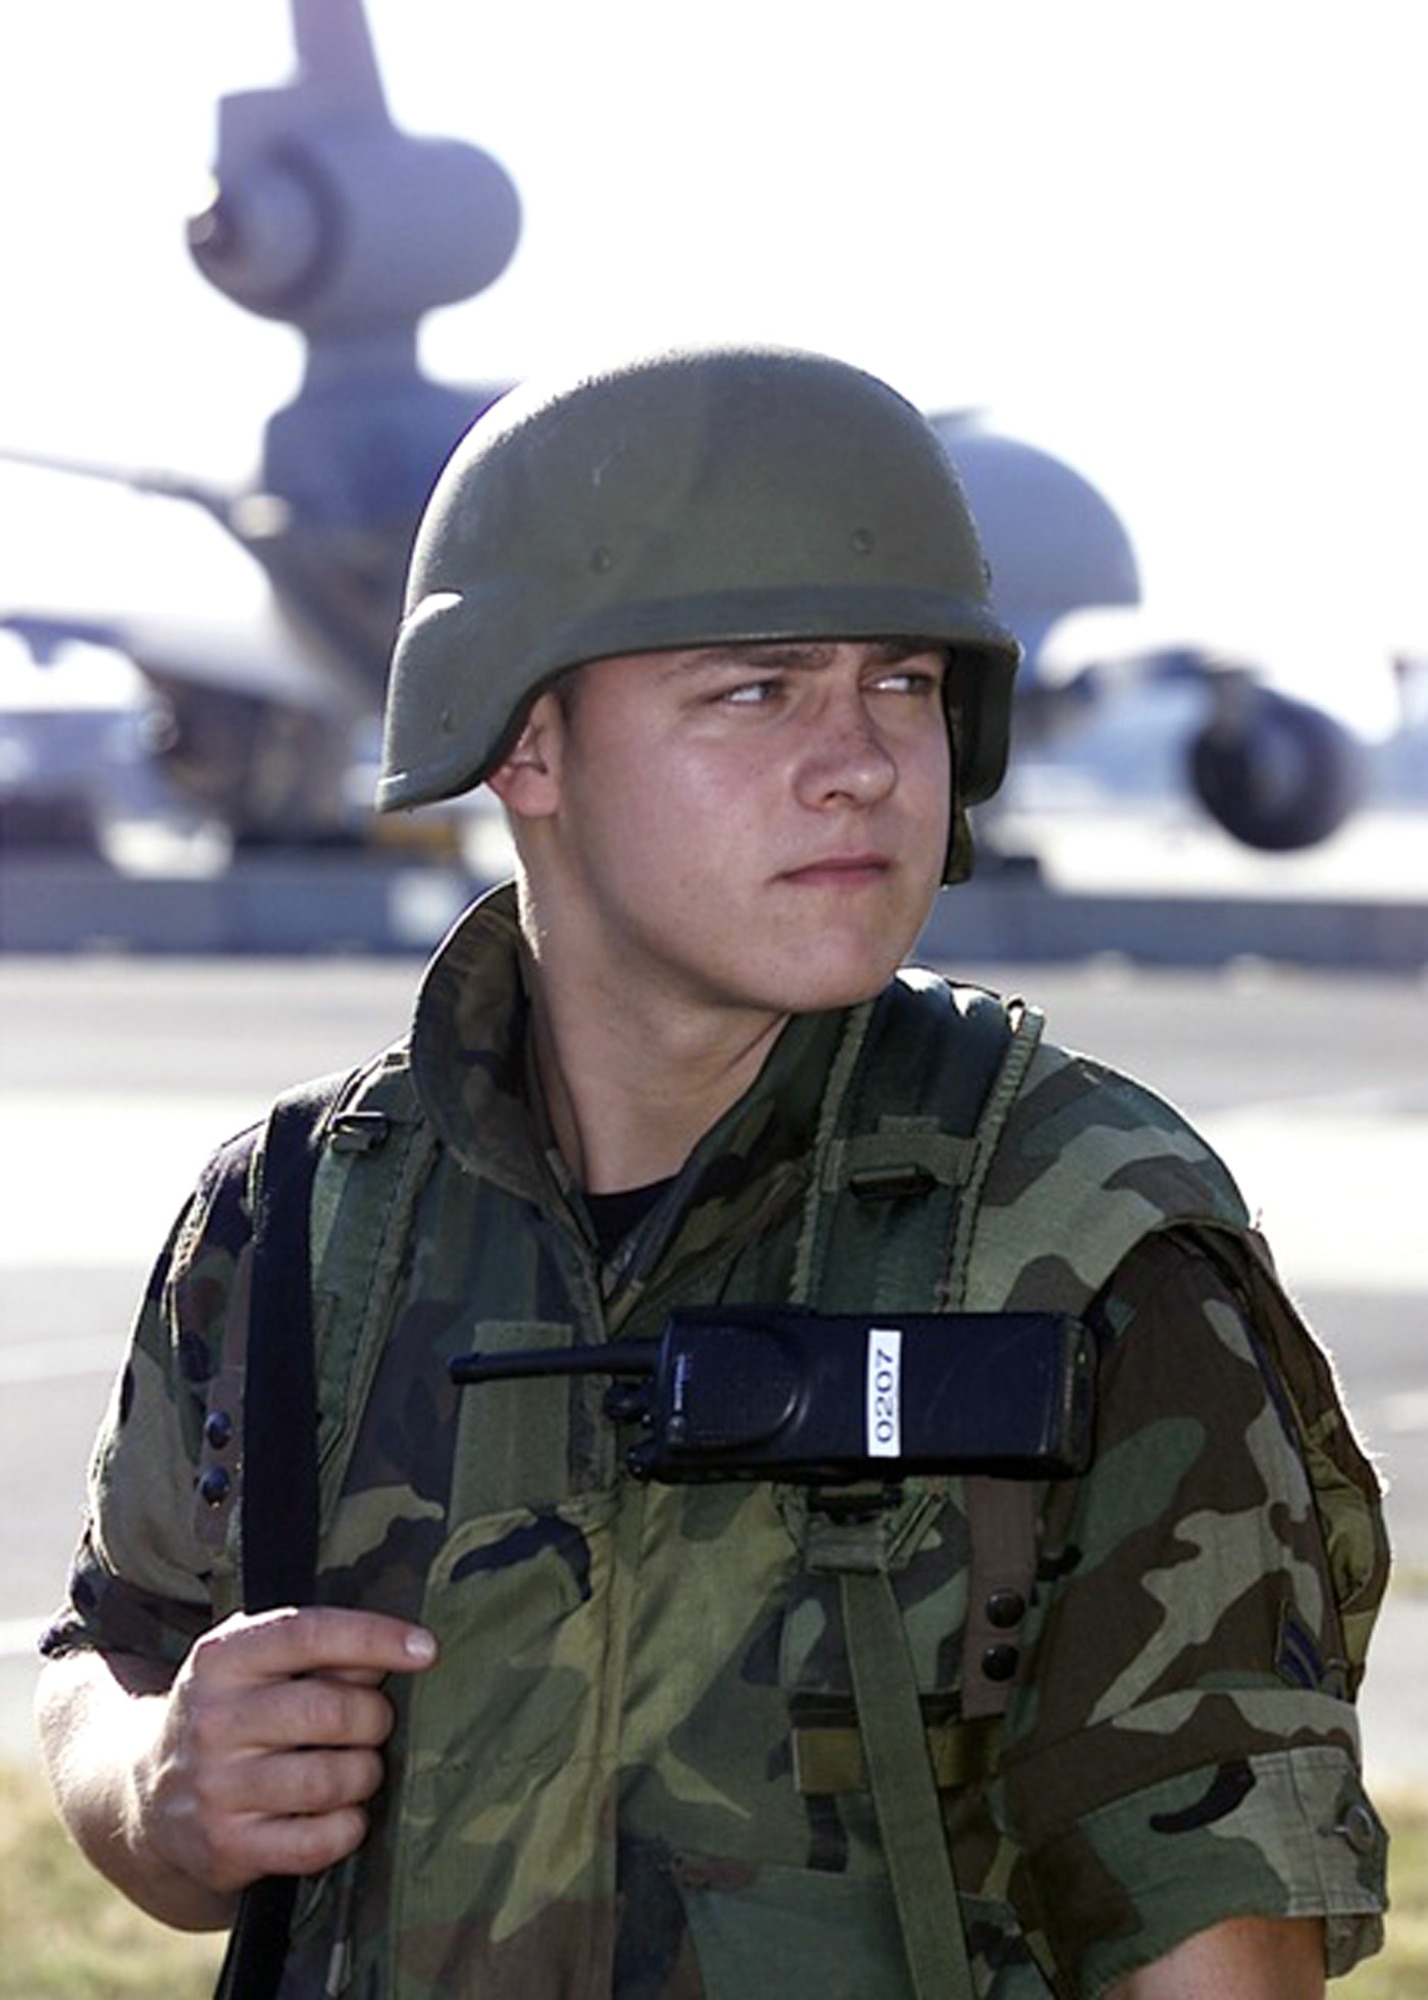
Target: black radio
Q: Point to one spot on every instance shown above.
(748, 1392)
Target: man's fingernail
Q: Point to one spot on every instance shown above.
(420, 1646)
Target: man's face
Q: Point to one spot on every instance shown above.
(754, 825)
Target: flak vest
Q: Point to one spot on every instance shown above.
(962, 1164)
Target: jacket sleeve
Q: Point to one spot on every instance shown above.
(1186, 1750)
(148, 1570)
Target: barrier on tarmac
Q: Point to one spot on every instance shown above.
(323, 903)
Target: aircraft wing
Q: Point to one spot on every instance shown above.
(246, 721)
(92, 547)
(260, 664)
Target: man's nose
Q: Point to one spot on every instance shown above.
(846, 756)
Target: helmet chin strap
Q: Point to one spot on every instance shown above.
(961, 848)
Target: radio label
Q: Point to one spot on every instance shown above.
(884, 1392)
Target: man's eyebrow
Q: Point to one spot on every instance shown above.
(796, 654)
(759, 653)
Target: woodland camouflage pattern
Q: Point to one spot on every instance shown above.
(594, 1791)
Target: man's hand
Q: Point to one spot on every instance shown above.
(258, 1757)
(269, 1749)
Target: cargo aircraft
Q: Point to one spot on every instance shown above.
(328, 217)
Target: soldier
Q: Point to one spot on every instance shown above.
(715, 628)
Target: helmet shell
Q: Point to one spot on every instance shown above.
(686, 499)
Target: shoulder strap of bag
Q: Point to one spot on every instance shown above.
(279, 1455)
(280, 1460)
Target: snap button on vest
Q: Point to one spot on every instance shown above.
(1005, 1609)
(218, 1430)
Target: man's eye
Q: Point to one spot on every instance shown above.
(909, 680)
(749, 694)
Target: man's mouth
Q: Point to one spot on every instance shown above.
(835, 869)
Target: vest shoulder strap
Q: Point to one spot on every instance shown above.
(379, 1152)
(915, 1104)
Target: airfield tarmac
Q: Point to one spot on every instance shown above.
(118, 1074)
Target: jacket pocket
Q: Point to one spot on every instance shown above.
(505, 1768)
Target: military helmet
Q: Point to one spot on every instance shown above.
(688, 498)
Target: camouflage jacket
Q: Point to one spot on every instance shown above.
(630, 1773)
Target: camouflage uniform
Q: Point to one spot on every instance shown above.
(595, 1790)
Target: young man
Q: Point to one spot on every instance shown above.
(715, 628)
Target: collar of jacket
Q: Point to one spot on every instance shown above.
(473, 1073)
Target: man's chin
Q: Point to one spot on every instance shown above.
(822, 987)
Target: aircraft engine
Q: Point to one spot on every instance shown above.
(1275, 773)
(328, 216)
(339, 234)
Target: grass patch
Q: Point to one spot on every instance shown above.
(66, 1932)
(69, 1936)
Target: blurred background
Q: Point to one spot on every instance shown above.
(1153, 272)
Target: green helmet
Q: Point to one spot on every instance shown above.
(692, 498)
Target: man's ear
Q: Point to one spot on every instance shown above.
(527, 779)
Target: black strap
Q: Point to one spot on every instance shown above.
(280, 1428)
(280, 1494)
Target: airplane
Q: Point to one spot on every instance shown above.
(328, 217)
(1275, 772)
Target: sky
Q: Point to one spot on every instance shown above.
(1181, 245)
